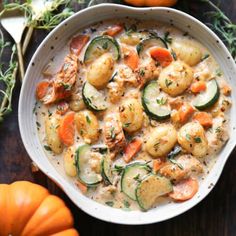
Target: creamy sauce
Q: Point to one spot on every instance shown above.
(204, 70)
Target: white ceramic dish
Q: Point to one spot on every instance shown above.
(59, 37)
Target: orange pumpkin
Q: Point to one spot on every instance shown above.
(28, 209)
(151, 3)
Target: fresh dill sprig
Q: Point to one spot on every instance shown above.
(223, 26)
(7, 79)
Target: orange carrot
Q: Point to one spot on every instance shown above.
(226, 90)
(66, 130)
(185, 112)
(157, 164)
(162, 55)
(131, 58)
(42, 89)
(82, 187)
(77, 43)
(62, 108)
(204, 118)
(198, 86)
(132, 149)
(114, 30)
(184, 190)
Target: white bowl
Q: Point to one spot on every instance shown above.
(59, 37)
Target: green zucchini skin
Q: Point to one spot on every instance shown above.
(88, 101)
(144, 100)
(79, 152)
(106, 169)
(139, 168)
(140, 47)
(209, 101)
(101, 41)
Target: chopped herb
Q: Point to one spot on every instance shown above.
(218, 72)
(205, 57)
(118, 169)
(38, 124)
(156, 145)
(141, 73)
(47, 148)
(81, 132)
(168, 82)
(126, 204)
(188, 137)
(174, 55)
(218, 130)
(176, 151)
(167, 38)
(110, 203)
(131, 29)
(35, 107)
(105, 45)
(126, 125)
(137, 178)
(161, 101)
(176, 163)
(113, 135)
(66, 86)
(88, 120)
(197, 140)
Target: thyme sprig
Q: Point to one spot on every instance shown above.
(223, 26)
(7, 78)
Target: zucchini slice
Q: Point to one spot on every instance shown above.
(131, 176)
(93, 99)
(152, 187)
(100, 45)
(153, 105)
(85, 172)
(209, 97)
(107, 169)
(150, 42)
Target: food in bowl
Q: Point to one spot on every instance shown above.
(134, 112)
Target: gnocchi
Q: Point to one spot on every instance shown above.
(175, 78)
(131, 115)
(192, 138)
(100, 71)
(69, 161)
(87, 126)
(161, 140)
(52, 137)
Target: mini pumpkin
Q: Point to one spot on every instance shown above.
(151, 3)
(28, 209)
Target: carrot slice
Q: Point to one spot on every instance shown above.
(114, 30)
(162, 55)
(42, 89)
(157, 164)
(66, 130)
(131, 58)
(132, 149)
(185, 111)
(198, 86)
(82, 187)
(184, 190)
(204, 118)
(77, 43)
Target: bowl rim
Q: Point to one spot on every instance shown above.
(59, 182)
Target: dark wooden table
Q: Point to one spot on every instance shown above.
(215, 215)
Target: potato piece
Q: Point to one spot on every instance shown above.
(87, 126)
(175, 78)
(131, 115)
(192, 138)
(69, 162)
(52, 137)
(187, 50)
(100, 71)
(161, 140)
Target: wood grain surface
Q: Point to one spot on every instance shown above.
(214, 216)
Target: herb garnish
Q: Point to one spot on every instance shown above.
(126, 125)
(168, 82)
(110, 203)
(197, 140)
(88, 120)
(118, 169)
(205, 57)
(188, 137)
(47, 148)
(167, 37)
(141, 73)
(113, 134)
(218, 72)
(161, 101)
(126, 204)
(137, 178)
